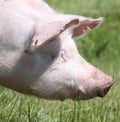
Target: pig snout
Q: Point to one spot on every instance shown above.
(94, 83)
(103, 90)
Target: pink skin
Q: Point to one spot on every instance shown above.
(38, 55)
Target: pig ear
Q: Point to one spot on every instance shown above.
(46, 32)
(86, 24)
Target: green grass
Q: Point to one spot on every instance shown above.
(101, 47)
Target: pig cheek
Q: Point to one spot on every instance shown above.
(85, 80)
(88, 85)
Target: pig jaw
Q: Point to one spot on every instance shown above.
(89, 91)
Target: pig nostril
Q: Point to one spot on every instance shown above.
(99, 93)
(103, 92)
(106, 90)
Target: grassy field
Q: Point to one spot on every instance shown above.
(101, 47)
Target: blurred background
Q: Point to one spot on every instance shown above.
(101, 47)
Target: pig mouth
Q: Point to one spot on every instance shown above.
(103, 90)
(100, 91)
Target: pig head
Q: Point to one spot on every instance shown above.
(38, 55)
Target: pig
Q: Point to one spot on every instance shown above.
(38, 54)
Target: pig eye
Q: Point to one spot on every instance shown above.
(53, 56)
(62, 55)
